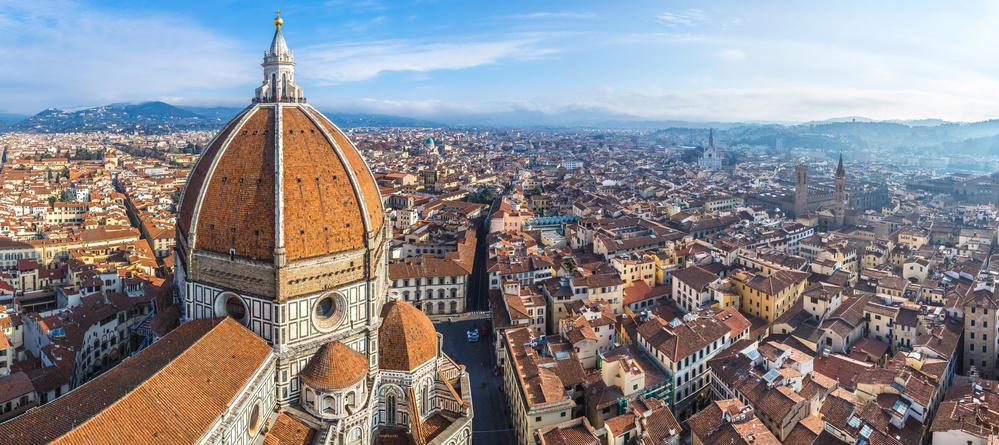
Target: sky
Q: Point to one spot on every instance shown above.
(661, 60)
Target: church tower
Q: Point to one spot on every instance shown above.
(711, 158)
(800, 190)
(840, 209)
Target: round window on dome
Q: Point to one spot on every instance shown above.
(329, 311)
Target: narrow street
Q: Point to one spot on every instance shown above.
(491, 425)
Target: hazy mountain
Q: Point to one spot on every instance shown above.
(351, 120)
(148, 117)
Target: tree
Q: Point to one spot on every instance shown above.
(483, 196)
(52, 201)
(536, 191)
(65, 195)
(65, 172)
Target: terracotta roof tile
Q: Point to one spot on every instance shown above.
(237, 210)
(289, 431)
(208, 360)
(335, 366)
(407, 337)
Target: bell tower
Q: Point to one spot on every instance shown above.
(840, 208)
(800, 190)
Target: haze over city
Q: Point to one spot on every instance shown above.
(723, 61)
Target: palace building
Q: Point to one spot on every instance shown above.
(288, 335)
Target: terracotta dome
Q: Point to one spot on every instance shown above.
(335, 366)
(280, 176)
(407, 337)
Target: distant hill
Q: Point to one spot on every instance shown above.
(148, 117)
(352, 120)
(159, 118)
(221, 114)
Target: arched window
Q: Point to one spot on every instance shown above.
(329, 405)
(350, 402)
(405, 295)
(390, 409)
(426, 400)
(355, 435)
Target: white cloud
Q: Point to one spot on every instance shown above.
(732, 54)
(362, 61)
(61, 53)
(690, 18)
(779, 104)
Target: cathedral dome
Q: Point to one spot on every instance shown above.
(280, 175)
(335, 366)
(407, 337)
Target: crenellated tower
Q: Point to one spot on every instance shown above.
(840, 209)
(800, 190)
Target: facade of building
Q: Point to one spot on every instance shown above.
(712, 158)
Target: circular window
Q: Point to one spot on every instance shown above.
(329, 311)
(254, 419)
(324, 308)
(228, 304)
(234, 308)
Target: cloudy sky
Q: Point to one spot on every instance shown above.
(723, 60)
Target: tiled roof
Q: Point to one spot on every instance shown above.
(237, 208)
(687, 338)
(208, 361)
(710, 426)
(289, 431)
(335, 366)
(695, 277)
(15, 385)
(407, 337)
(433, 426)
(571, 432)
(325, 187)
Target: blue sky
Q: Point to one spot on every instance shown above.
(723, 60)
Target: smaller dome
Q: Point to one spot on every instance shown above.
(335, 366)
(407, 337)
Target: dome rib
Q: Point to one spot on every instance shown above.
(351, 172)
(369, 187)
(203, 168)
(335, 366)
(236, 206)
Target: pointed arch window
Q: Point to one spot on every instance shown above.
(390, 409)
(426, 399)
